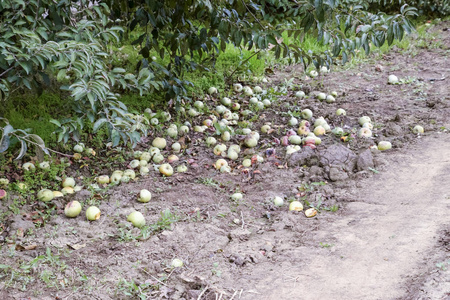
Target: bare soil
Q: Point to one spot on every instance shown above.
(388, 239)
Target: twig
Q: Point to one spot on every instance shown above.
(6, 71)
(233, 295)
(242, 218)
(201, 294)
(142, 269)
(36, 144)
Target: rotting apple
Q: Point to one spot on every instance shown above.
(3, 194)
(93, 213)
(418, 129)
(72, 209)
(364, 132)
(295, 206)
(145, 196)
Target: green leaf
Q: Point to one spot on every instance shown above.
(56, 122)
(4, 143)
(23, 149)
(99, 124)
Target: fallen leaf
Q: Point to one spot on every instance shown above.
(28, 247)
(76, 246)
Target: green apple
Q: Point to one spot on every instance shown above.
(68, 181)
(92, 213)
(364, 119)
(72, 209)
(159, 143)
(278, 201)
(306, 114)
(300, 94)
(341, 112)
(392, 79)
(364, 132)
(237, 87)
(319, 130)
(166, 170)
(321, 96)
(384, 145)
(220, 163)
(137, 219)
(144, 196)
(28, 166)
(418, 129)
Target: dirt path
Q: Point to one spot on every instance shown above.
(383, 241)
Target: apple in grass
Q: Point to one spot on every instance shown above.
(237, 87)
(68, 181)
(157, 158)
(258, 89)
(226, 136)
(253, 100)
(265, 128)
(28, 166)
(172, 132)
(199, 105)
(250, 141)
(212, 90)
(3, 194)
(166, 170)
(225, 101)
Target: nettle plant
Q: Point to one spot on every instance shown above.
(41, 41)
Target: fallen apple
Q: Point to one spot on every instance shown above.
(392, 79)
(368, 125)
(145, 156)
(313, 73)
(210, 141)
(57, 194)
(92, 213)
(364, 119)
(134, 163)
(278, 201)
(266, 103)
(338, 131)
(125, 179)
(28, 166)
(154, 121)
(296, 206)
(233, 155)
(184, 129)
(237, 196)
(137, 219)
(45, 165)
(300, 94)
(67, 190)
(45, 195)
(130, 173)
(247, 162)
(306, 114)
(248, 91)
(159, 143)
(78, 148)
(319, 130)
(310, 212)
(265, 128)
(166, 170)
(237, 87)
(330, 99)
(341, 112)
(220, 163)
(182, 168)
(334, 94)
(253, 100)
(3, 194)
(199, 105)
(212, 90)
(250, 141)
(176, 147)
(172, 158)
(295, 139)
(144, 170)
(172, 132)
(418, 129)
(258, 89)
(293, 121)
(321, 96)
(144, 196)
(384, 145)
(177, 263)
(364, 132)
(72, 209)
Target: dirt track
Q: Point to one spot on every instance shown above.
(385, 240)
